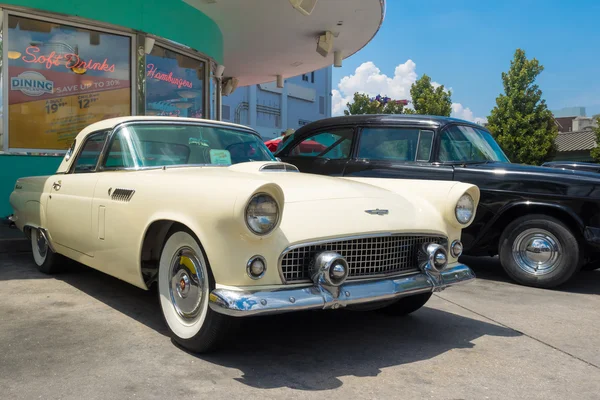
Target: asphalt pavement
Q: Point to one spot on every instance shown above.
(86, 335)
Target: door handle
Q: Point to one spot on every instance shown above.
(56, 185)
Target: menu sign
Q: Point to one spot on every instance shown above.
(55, 94)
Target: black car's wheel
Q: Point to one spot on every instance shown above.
(540, 251)
(184, 284)
(407, 305)
(45, 259)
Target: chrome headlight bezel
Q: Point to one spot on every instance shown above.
(273, 224)
(466, 197)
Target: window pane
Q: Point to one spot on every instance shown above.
(425, 144)
(468, 144)
(398, 144)
(330, 145)
(61, 79)
(174, 84)
(151, 145)
(88, 157)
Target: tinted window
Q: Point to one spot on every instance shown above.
(468, 144)
(397, 144)
(332, 145)
(90, 152)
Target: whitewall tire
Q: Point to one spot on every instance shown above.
(45, 259)
(184, 285)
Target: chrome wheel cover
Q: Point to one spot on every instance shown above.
(537, 251)
(187, 283)
(42, 245)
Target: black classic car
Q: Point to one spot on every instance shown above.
(576, 165)
(544, 223)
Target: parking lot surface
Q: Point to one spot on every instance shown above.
(85, 335)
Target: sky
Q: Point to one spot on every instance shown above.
(465, 45)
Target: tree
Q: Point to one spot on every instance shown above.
(521, 122)
(363, 104)
(428, 100)
(596, 150)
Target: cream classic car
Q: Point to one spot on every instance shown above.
(205, 211)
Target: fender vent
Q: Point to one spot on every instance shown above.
(122, 194)
(279, 167)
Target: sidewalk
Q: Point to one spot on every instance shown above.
(12, 240)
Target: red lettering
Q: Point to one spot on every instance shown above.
(72, 60)
(31, 51)
(152, 72)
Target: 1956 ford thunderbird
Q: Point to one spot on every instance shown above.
(205, 211)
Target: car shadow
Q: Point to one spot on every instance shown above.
(314, 350)
(489, 268)
(310, 350)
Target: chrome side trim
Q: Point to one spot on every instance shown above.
(354, 237)
(44, 233)
(242, 303)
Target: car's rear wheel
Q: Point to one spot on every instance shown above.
(539, 251)
(184, 285)
(45, 259)
(407, 305)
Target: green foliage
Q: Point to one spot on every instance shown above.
(596, 150)
(428, 100)
(362, 104)
(521, 122)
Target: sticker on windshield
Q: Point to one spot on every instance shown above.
(220, 157)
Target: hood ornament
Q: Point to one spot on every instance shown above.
(377, 212)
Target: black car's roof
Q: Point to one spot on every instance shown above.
(392, 119)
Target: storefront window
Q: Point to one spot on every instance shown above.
(174, 84)
(61, 79)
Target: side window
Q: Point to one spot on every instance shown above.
(396, 144)
(118, 155)
(455, 145)
(335, 145)
(90, 152)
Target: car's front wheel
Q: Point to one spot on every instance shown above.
(45, 259)
(407, 305)
(184, 285)
(539, 251)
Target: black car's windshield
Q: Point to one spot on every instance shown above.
(467, 144)
(155, 144)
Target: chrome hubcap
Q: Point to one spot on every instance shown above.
(42, 246)
(186, 283)
(537, 251)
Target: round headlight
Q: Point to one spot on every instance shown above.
(465, 208)
(262, 214)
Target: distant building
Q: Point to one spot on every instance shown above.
(271, 110)
(569, 112)
(576, 138)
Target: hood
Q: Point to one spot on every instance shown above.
(297, 187)
(529, 179)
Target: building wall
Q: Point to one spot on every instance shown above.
(271, 110)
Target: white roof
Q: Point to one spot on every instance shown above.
(112, 122)
(266, 38)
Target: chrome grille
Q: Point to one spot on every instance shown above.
(371, 256)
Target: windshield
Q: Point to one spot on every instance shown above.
(152, 145)
(471, 145)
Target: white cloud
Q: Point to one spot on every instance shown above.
(369, 79)
(459, 111)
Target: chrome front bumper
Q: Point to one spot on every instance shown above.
(238, 303)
